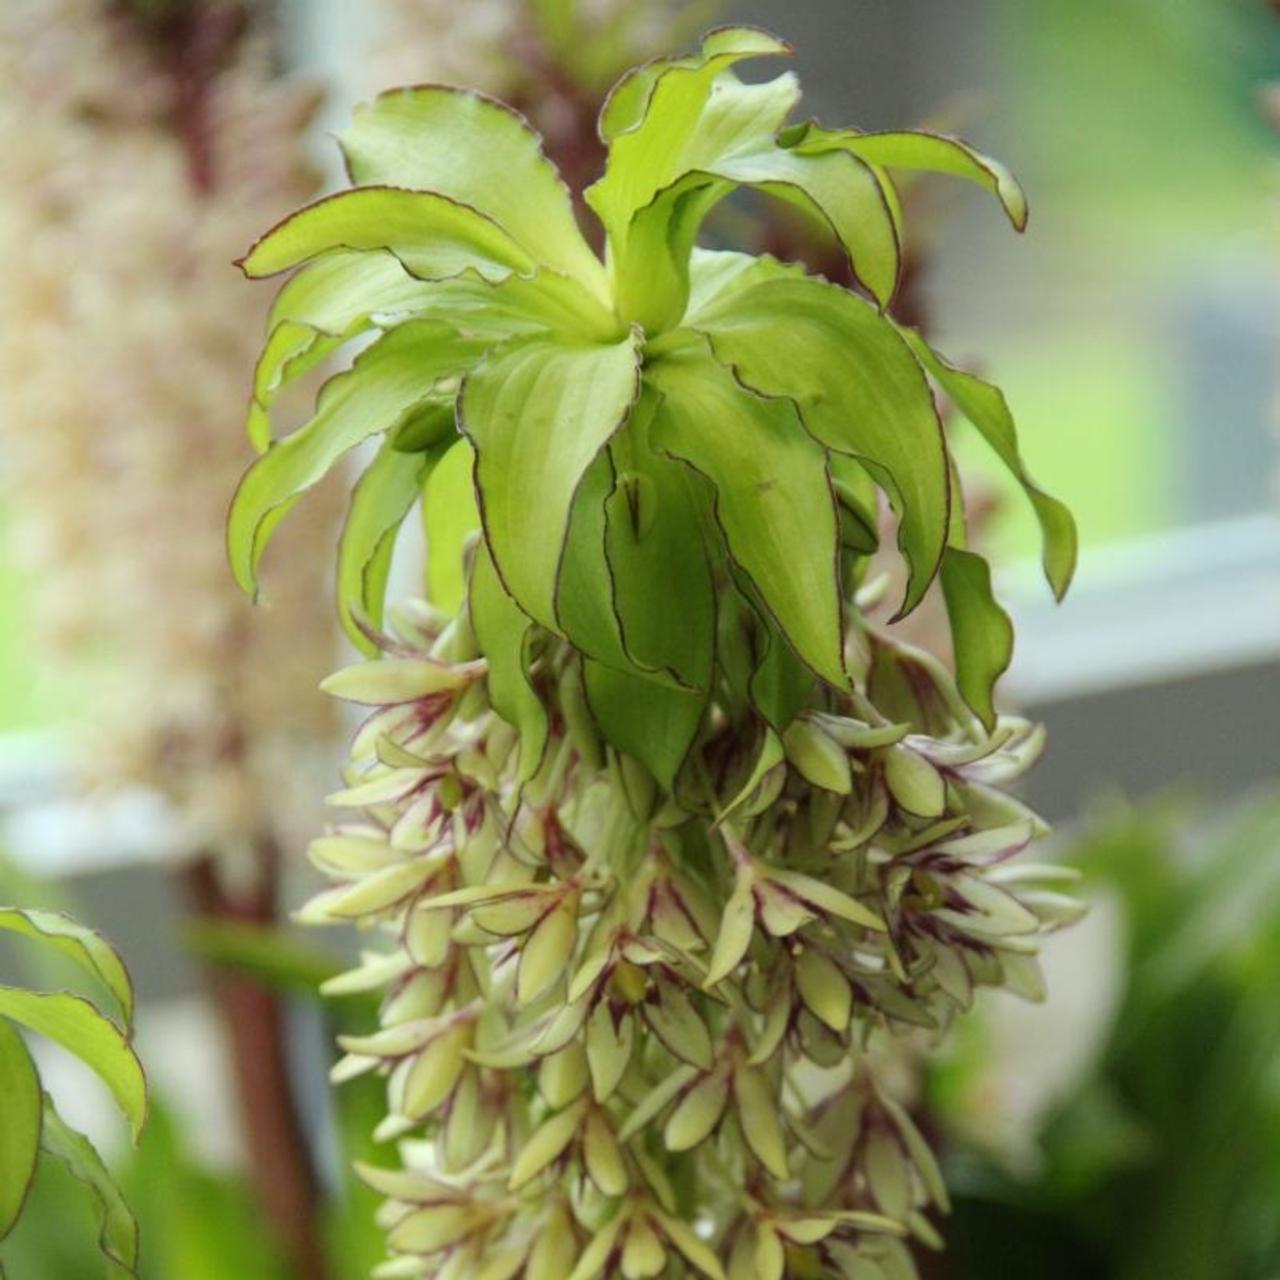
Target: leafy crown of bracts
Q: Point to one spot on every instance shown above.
(645, 427)
(659, 810)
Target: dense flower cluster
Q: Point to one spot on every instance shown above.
(603, 1008)
(124, 339)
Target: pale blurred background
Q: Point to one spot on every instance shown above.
(161, 746)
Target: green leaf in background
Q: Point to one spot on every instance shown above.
(433, 236)
(269, 953)
(386, 380)
(88, 949)
(773, 495)
(481, 154)
(985, 407)
(594, 45)
(927, 153)
(505, 635)
(981, 632)
(449, 517)
(1161, 1155)
(380, 501)
(538, 413)
(117, 1228)
(859, 391)
(199, 1222)
(77, 1026)
(21, 1108)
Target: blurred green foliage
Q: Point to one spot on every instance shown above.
(1143, 113)
(1137, 129)
(1163, 1163)
(199, 1222)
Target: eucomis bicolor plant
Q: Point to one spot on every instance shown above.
(660, 841)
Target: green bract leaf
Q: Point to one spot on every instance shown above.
(654, 723)
(505, 635)
(654, 214)
(842, 192)
(88, 949)
(431, 234)
(769, 756)
(716, 275)
(654, 110)
(324, 305)
(701, 133)
(449, 517)
(859, 390)
(929, 153)
(760, 666)
(772, 495)
(538, 413)
(758, 1109)
(380, 501)
(694, 1248)
(611, 538)
(75, 1024)
(343, 294)
(658, 564)
(547, 1143)
(20, 1132)
(386, 381)
(472, 149)
(585, 596)
(859, 509)
(981, 633)
(117, 1228)
(986, 408)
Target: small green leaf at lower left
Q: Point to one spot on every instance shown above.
(88, 949)
(20, 1114)
(78, 1026)
(117, 1227)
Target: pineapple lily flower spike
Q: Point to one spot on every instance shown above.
(660, 841)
